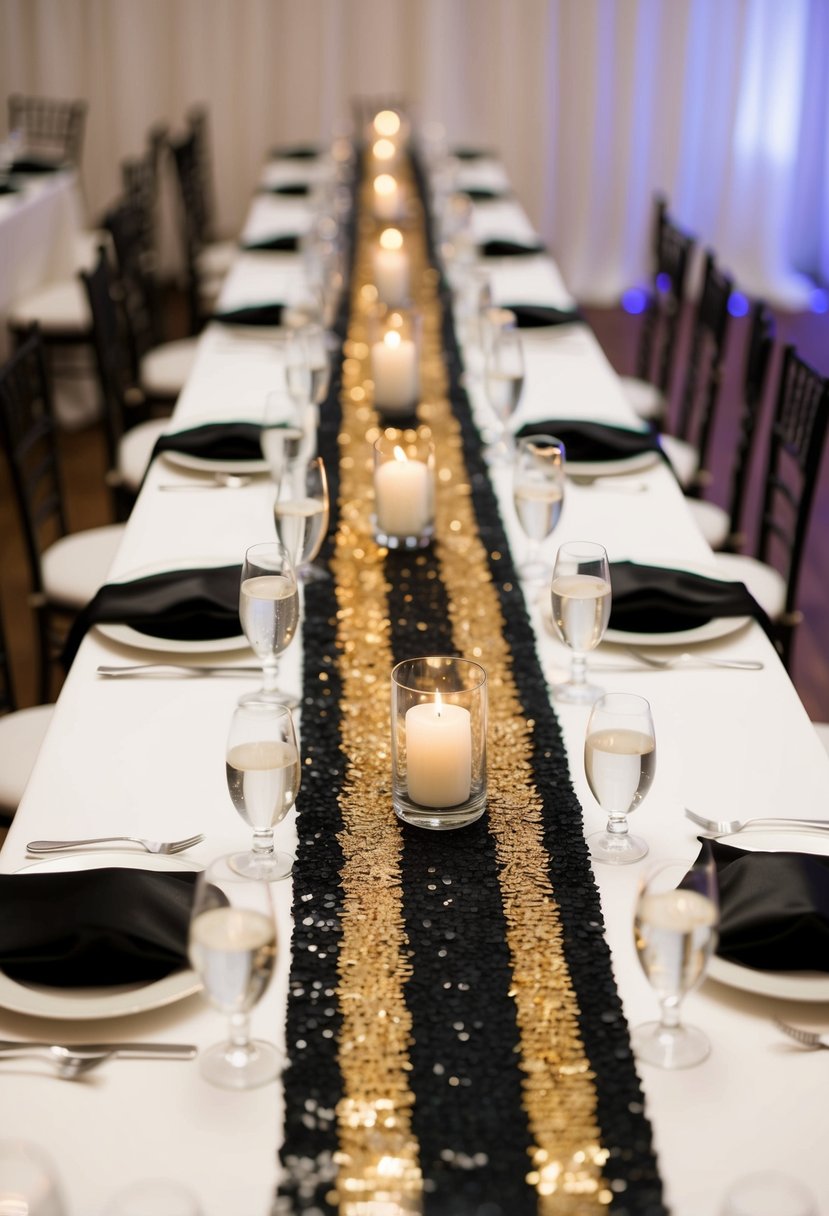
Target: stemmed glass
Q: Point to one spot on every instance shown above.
(538, 495)
(619, 762)
(232, 947)
(263, 776)
(301, 517)
(581, 610)
(675, 927)
(269, 613)
(504, 382)
(282, 434)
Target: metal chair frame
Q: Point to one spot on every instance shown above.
(672, 249)
(49, 125)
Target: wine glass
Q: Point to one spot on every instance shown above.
(28, 1181)
(504, 382)
(675, 929)
(538, 495)
(263, 775)
(301, 516)
(769, 1193)
(316, 349)
(282, 434)
(153, 1197)
(620, 762)
(581, 610)
(232, 948)
(269, 613)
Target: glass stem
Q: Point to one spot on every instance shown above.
(669, 1013)
(262, 842)
(578, 669)
(270, 669)
(617, 825)
(239, 1032)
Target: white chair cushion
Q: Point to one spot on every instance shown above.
(75, 566)
(764, 582)
(166, 369)
(683, 458)
(62, 305)
(21, 735)
(215, 260)
(135, 449)
(644, 398)
(713, 522)
(822, 729)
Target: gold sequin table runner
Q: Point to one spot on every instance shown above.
(455, 1038)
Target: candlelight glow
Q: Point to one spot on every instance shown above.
(387, 122)
(391, 238)
(385, 184)
(392, 339)
(399, 454)
(384, 149)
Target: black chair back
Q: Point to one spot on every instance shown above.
(135, 286)
(757, 368)
(51, 128)
(672, 249)
(192, 219)
(141, 180)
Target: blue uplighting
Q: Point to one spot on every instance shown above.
(663, 281)
(738, 304)
(819, 300)
(634, 300)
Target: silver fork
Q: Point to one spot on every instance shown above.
(727, 827)
(150, 846)
(69, 1063)
(186, 669)
(694, 660)
(808, 1038)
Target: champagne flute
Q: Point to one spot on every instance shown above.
(620, 762)
(282, 433)
(301, 517)
(232, 948)
(538, 495)
(504, 382)
(263, 776)
(317, 350)
(675, 927)
(269, 613)
(581, 610)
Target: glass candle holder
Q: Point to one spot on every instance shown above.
(395, 360)
(439, 723)
(404, 489)
(388, 197)
(390, 268)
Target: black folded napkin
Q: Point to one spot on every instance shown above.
(178, 605)
(774, 909)
(34, 164)
(652, 599)
(214, 441)
(252, 314)
(482, 194)
(593, 440)
(297, 152)
(533, 316)
(290, 189)
(286, 242)
(93, 928)
(470, 153)
(8, 188)
(499, 248)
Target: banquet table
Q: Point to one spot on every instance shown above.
(146, 756)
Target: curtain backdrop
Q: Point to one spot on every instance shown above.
(592, 104)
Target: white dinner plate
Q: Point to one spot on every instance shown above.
(789, 985)
(200, 464)
(127, 636)
(612, 468)
(86, 1004)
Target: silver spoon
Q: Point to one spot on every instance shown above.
(220, 481)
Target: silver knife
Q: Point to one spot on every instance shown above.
(136, 1051)
(183, 668)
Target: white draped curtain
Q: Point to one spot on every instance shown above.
(592, 104)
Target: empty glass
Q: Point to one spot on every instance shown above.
(581, 596)
(504, 383)
(154, 1197)
(769, 1193)
(619, 762)
(269, 613)
(28, 1183)
(538, 495)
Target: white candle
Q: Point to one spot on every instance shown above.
(391, 268)
(438, 753)
(402, 495)
(387, 197)
(394, 372)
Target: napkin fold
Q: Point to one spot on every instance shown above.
(470, 153)
(94, 927)
(774, 909)
(499, 247)
(286, 242)
(296, 152)
(201, 604)
(653, 599)
(482, 194)
(288, 189)
(593, 441)
(34, 164)
(533, 316)
(251, 314)
(214, 441)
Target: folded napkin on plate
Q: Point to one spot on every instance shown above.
(533, 316)
(286, 242)
(214, 441)
(35, 164)
(178, 605)
(95, 927)
(288, 189)
(500, 248)
(297, 152)
(653, 599)
(593, 440)
(774, 909)
(482, 194)
(470, 153)
(251, 314)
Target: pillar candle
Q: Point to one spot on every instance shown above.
(395, 374)
(387, 198)
(391, 269)
(402, 495)
(438, 753)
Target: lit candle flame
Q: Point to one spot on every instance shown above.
(387, 122)
(383, 149)
(391, 238)
(391, 339)
(384, 184)
(399, 454)
(438, 704)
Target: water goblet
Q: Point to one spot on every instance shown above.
(504, 382)
(538, 495)
(269, 613)
(619, 762)
(154, 1197)
(301, 516)
(282, 434)
(263, 775)
(232, 948)
(675, 929)
(581, 596)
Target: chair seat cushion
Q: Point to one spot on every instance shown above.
(135, 449)
(682, 457)
(75, 566)
(59, 306)
(166, 369)
(765, 583)
(216, 259)
(21, 735)
(644, 398)
(713, 522)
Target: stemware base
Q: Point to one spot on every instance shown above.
(576, 694)
(271, 696)
(670, 1046)
(534, 570)
(231, 1066)
(267, 867)
(618, 850)
(313, 574)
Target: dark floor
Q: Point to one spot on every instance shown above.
(84, 461)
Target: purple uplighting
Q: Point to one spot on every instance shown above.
(738, 304)
(635, 300)
(819, 301)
